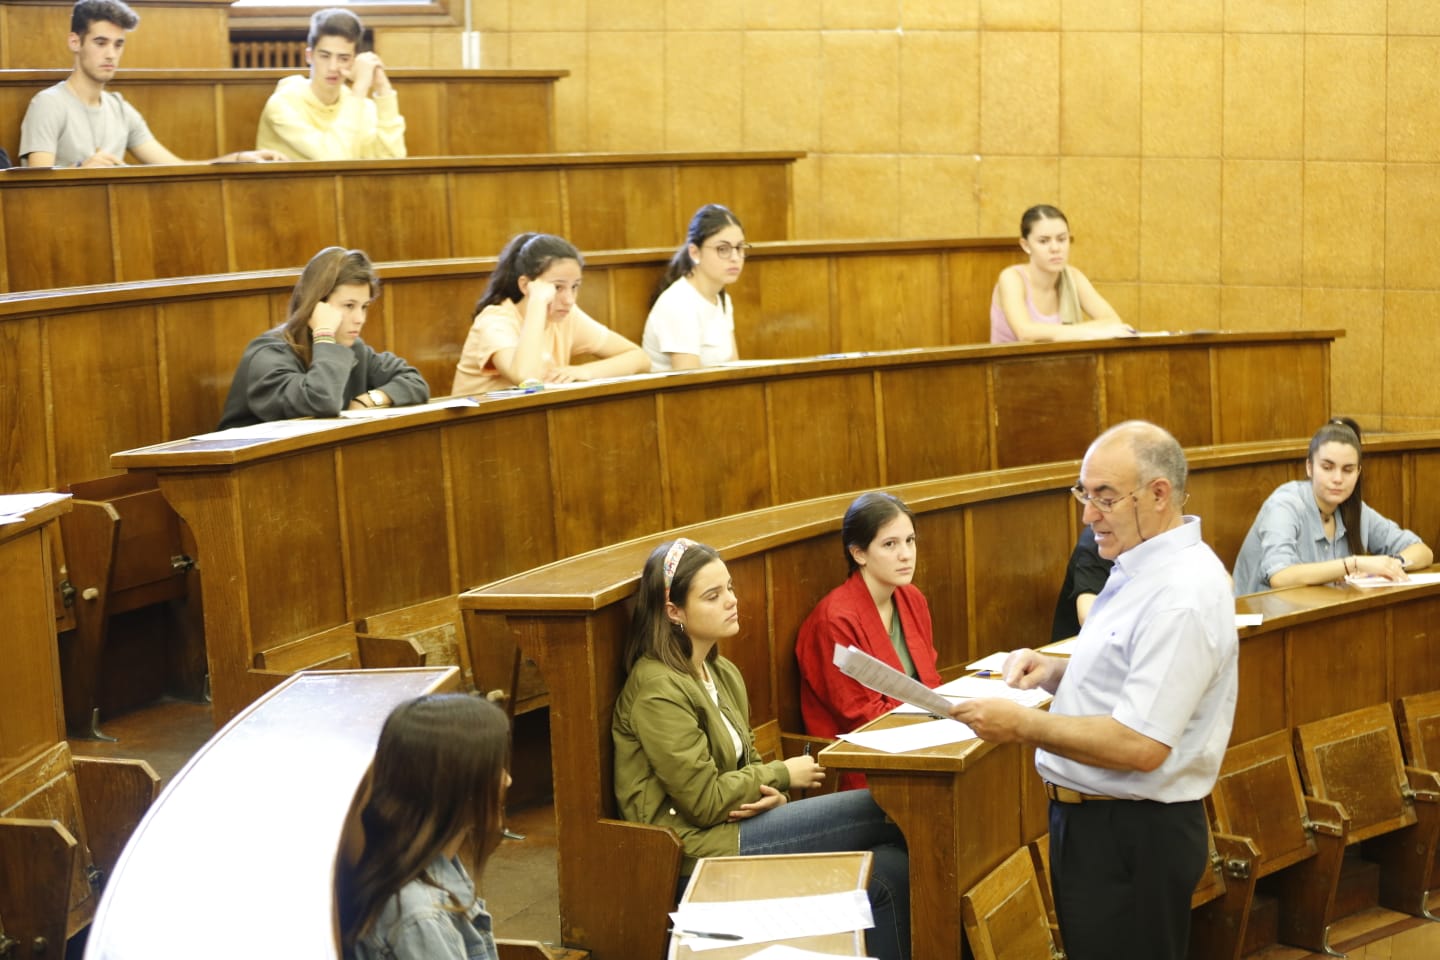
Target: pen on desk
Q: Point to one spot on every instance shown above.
(987, 673)
(713, 936)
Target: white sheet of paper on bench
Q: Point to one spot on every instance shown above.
(15, 506)
(912, 736)
(380, 413)
(1366, 580)
(994, 663)
(783, 951)
(780, 918)
(883, 678)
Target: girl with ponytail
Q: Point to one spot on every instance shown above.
(692, 321)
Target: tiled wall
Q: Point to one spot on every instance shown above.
(1225, 163)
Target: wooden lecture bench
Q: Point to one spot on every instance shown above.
(413, 509)
(199, 114)
(996, 550)
(145, 222)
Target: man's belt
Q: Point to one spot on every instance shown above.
(1066, 795)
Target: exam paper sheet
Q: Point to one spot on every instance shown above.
(883, 678)
(779, 918)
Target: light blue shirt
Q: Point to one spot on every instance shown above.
(429, 922)
(1289, 530)
(1159, 654)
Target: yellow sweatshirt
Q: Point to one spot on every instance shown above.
(297, 124)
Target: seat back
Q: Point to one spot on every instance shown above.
(1419, 716)
(46, 789)
(1354, 758)
(1258, 795)
(1004, 914)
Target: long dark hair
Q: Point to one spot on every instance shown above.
(526, 255)
(652, 632)
(708, 221)
(864, 518)
(1067, 297)
(330, 268)
(439, 772)
(1347, 431)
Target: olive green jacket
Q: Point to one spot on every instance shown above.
(675, 764)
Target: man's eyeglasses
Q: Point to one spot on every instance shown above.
(1103, 504)
(725, 251)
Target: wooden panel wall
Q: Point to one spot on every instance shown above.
(139, 223)
(195, 35)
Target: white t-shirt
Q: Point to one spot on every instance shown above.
(683, 321)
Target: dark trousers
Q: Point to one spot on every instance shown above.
(1123, 872)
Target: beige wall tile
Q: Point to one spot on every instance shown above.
(704, 90)
(1179, 221)
(703, 15)
(487, 16)
(805, 198)
(1019, 93)
(1265, 16)
(1264, 96)
(769, 15)
(1020, 14)
(940, 14)
(1181, 113)
(570, 50)
(1345, 16)
(1344, 224)
(1344, 98)
(1416, 17)
(552, 15)
(1011, 185)
(1100, 14)
(627, 106)
(1124, 297)
(859, 14)
(1260, 308)
(939, 197)
(1101, 198)
(625, 14)
(1410, 386)
(1414, 110)
(782, 90)
(1356, 359)
(1178, 307)
(405, 48)
(843, 179)
(494, 52)
(1100, 94)
(1167, 16)
(859, 92)
(940, 92)
(1260, 237)
(1412, 195)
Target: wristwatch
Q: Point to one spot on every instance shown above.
(377, 398)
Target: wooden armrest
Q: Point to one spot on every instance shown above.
(1327, 818)
(114, 795)
(1238, 855)
(44, 853)
(378, 653)
(1424, 784)
(523, 950)
(794, 744)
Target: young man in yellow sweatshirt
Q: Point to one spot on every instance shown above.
(322, 117)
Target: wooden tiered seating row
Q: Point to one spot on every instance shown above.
(968, 806)
(139, 223)
(187, 33)
(199, 114)
(415, 508)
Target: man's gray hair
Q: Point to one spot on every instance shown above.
(1157, 453)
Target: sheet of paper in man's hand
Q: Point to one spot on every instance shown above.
(883, 678)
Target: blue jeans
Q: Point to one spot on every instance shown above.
(838, 822)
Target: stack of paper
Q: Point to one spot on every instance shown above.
(733, 923)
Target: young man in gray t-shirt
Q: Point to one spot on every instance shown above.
(77, 123)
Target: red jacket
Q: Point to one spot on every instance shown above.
(831, 702)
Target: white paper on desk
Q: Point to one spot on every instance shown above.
(883, 678)
(912, 736)
(1249, 619)
(781, 951)
(1060, 648)
(1370, 580)
(995, 663)
(14, 506)
(975, 688)
(273, 430)
(780, 918)
(380, 413)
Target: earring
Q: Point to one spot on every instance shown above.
(680, 626)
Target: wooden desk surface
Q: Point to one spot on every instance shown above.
(719, 879)
(145, 222)
(236, 858)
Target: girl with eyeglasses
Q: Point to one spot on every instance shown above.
(1046, 298)
(685, 756)
(1319, 530)
(528, 329)
(692, 321)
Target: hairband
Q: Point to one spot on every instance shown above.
(672, 560)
